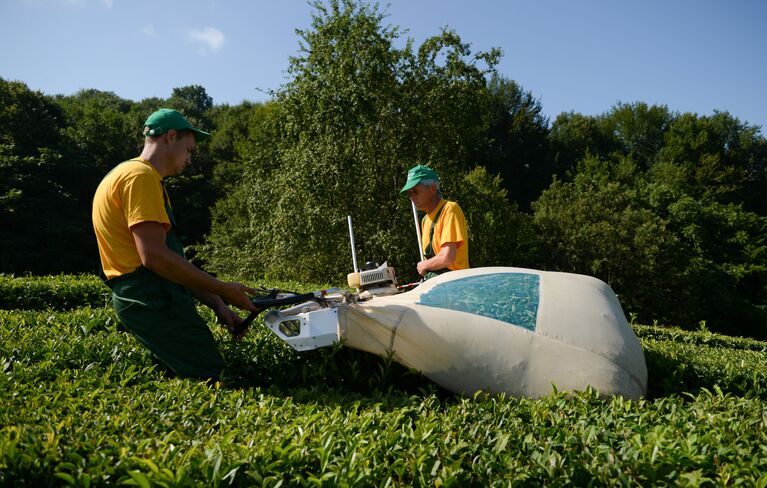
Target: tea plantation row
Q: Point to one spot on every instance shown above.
(82, 404)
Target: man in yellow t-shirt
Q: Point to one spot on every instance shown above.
(444, 236)
(143, 261)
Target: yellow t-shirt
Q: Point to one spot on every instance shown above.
(451, 227)
(129, 194)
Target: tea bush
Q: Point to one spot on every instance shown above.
(61, 292)
(682, 361)
(82, 404)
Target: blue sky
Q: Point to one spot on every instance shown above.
(583, 56)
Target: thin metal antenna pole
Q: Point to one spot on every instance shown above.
(417, 229)
(351, 237)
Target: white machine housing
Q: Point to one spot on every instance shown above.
(379, 281)
(305, 326)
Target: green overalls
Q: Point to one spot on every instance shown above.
(162, 315)
(429, 251)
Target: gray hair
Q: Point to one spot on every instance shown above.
(432, 182)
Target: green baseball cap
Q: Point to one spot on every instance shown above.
(418, 174)
(166, 119)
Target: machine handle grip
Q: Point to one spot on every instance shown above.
(270, 301)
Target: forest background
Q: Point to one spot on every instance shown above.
(668, 208)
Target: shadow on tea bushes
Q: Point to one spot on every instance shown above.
(264, 361)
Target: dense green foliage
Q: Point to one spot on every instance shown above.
(661, 206)
(61, 292)
(668, 208)
(357, 114)
(82, 404)
(44, 204)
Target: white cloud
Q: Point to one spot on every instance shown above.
(211, 38)
(149, 30)
(108, 3)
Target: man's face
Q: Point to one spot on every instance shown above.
(423, 196)
(181, 147)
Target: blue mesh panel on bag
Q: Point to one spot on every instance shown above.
(509, 297)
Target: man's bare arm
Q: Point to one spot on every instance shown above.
(156, 256)
(444, 258)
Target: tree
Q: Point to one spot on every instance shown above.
(45, 211)
(193, 101)
(639, 130)
(356, 115)
(499, 234)
(671, 253)
(97, 126)
(598, 225)
(722, 156)
(28, 119)
(245, 148)
(245, 135)
(517, 141)
(574, 137)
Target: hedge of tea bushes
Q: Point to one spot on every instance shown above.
(61, 292)
(82, 404)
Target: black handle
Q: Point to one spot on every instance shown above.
(268, 301)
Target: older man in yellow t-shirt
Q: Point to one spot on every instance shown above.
(444, 236)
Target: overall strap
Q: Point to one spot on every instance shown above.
(429, 251)
(172, 237)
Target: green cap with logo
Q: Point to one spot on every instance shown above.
(418, 174)
(166, 119)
